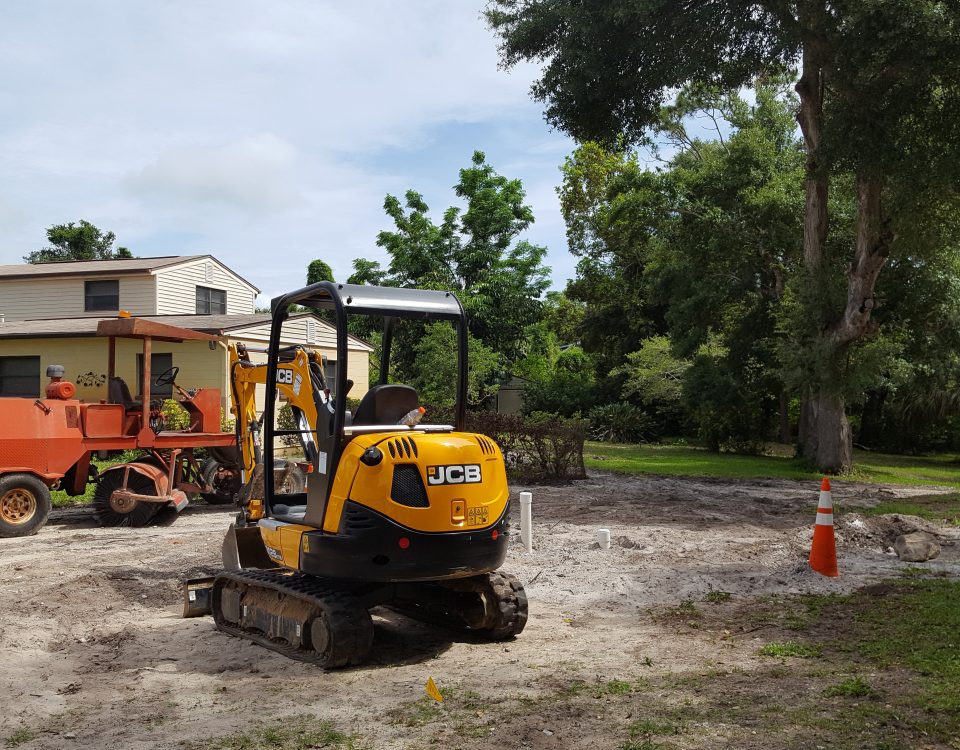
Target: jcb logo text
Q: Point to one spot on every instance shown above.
(454, 474)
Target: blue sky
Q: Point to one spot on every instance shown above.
(266, 134)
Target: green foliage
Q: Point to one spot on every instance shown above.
(436, 367)
(81, 241)
(477, 252)
(318, 270)
(286, 421)
(539, 354)
(881, 127)
(568, 391)
(175, 417)
(730, 401)
(621, 423)
(538, 447)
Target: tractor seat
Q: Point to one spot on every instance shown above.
(386, 404)
(118, 392)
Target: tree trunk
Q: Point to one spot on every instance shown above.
(784, 417)
(830, 441)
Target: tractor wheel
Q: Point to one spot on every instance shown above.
(24, 505)
(225, 486)
(134, 513)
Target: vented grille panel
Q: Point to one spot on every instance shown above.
(486, 445)
(358, 520)
(408, 488)
(403, 447)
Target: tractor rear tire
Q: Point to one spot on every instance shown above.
(24, 505)
(226, 488)
(139, 513)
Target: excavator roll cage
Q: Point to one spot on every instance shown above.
(344, 300)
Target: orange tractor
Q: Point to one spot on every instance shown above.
(47, 443)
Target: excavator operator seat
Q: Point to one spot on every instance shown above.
(386, 404)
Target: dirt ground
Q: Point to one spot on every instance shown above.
(93, 652)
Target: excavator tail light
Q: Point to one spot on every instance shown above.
(403, 542)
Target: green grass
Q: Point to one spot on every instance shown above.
(854, 687)
(917, 626)
(718, 597)
(789, 648)
(300, 733)
(691, 461)
(19, 737)
(932, 507)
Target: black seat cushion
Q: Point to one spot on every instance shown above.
(386, 404)
(291, 511)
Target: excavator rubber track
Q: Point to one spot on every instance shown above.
(302, 617)
(492, 606)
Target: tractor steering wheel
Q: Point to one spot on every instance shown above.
(167, 377)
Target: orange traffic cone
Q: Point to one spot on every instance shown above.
(823, 551)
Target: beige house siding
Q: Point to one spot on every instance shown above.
(177, 288)
(85, 362)
(32, 299)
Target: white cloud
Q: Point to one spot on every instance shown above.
(266, 133)
(251, 174)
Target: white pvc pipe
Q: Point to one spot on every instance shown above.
(603, 538)
(526, 520)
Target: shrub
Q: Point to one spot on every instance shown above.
(285, 421)
(621, 423)
(175, 417)
(537, 448)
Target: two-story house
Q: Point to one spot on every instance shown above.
(49, 314)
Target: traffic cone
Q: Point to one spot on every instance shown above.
(823, 551)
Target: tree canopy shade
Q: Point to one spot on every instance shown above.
(879, 100)
(81, 241)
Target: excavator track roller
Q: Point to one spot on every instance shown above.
(304, 618)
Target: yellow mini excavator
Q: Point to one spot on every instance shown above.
(409, 516)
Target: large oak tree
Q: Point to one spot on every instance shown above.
(879, 91)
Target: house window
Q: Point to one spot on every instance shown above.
(211, 301)
(20, 376)
(101, 295)
(159, 363)
(330, 373)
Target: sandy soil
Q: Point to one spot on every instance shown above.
(93, 652)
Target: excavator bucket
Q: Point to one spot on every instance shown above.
(243, 548)
(196, 597)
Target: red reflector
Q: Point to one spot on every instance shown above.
(494, 535)
(403, 542)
